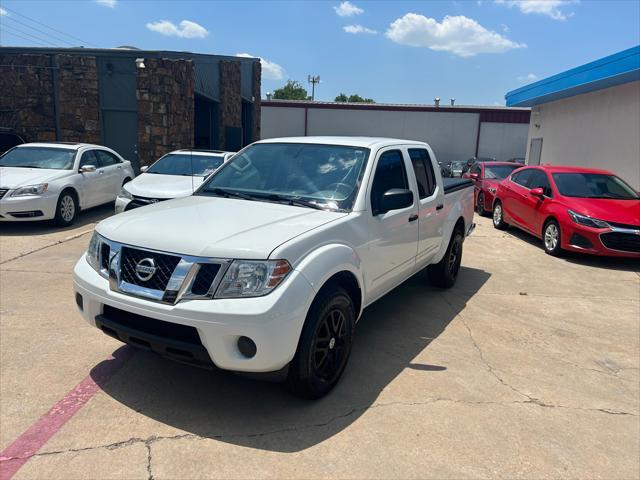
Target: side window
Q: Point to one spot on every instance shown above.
(539, 179)
(390, 173)
(522, 177)
(423, 169)
(106, 158)
(88, 158)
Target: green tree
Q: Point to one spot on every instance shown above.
(353, 98)
(293, 90)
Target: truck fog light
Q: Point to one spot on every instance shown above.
(247, 347)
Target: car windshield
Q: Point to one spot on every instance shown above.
(39, 157)
(593, 185)
(499, 171)
(316, 176)
(186, 164)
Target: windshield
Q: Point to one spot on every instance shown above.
(593, 185)
(182, 164)
(39, 157)
(327, 176)
(499, 171)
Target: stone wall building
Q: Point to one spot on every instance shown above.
(141, 103)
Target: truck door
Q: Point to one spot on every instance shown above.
(429, 196)
(393, 234)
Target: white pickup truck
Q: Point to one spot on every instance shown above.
(268, 266)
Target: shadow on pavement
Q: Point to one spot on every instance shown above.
(44, 227)
(263, 415)
(609, 263)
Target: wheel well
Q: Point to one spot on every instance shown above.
(547, 220)
(348, 281)
(126, 180)
(75, 196)
(459, 226)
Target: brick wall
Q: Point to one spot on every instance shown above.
(27, 97)
(230, 98)
(165, 95)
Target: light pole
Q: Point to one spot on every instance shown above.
(313, 80)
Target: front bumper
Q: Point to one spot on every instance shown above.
(598, 241)
(273, 322)
(28, 208)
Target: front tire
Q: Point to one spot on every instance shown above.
(552, 238)
(324, 346)
(445, 273)
(498, 217)
(66, 209)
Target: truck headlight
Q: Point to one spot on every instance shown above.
(124, 193)
(30, 190)
(587, 221)
(252, 278)
(93, 252)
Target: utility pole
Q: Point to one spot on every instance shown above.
(313, 80)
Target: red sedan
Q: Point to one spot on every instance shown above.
(571, 208)
(486, 176)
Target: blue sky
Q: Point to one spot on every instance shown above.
(391, 51)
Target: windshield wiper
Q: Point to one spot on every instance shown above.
(295, 201)
(230, 193)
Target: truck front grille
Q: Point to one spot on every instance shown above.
(164, 265)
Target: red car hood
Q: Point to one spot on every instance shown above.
(617, 211)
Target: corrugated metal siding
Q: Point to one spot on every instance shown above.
(208, 78)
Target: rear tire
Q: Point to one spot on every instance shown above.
(498, 217)
(66, 208)
(445, 273)
(552, 238)
(324, 346)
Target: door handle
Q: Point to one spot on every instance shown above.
(119, 167)
(439, 206)
(413, 218)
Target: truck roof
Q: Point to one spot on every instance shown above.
(367, 142)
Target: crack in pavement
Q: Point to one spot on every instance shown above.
(57, 242)
(149, 441)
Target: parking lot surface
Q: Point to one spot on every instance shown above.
(528, 367)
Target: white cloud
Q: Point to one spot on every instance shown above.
(347, 9)
(3, 12)
(532, 77)
(270, 70)
(355, 29)
(186, 29)
(107, 3)
(550, 8)
(459, 35)
(505, 28)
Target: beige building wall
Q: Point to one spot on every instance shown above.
(597, 129)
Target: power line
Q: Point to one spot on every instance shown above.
(50, 35)
(24, 38)
(47, 26)
(20, 32)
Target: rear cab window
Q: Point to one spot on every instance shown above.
(390, 173)
(423, 169)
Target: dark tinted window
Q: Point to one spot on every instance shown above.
(106, 158)
(499, 171)
(593, 185)
(424, 171)
(390, 173)
(89, 158)
(9, 140)
(522, 178)
(539, 179)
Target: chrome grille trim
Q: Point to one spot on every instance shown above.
(179, 284)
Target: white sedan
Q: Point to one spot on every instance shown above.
(54, 181)
(176, 174)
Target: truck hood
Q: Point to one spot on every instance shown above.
(213, 226)
(609, 210)
(154, 185)
(13, 177)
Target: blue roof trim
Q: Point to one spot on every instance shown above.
(616, 69)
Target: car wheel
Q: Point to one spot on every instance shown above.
(324, 346)
(498, 219)
(551, 238)
(480, 204)
(445, 273)
(66, 209)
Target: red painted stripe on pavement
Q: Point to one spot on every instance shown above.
(37, 435)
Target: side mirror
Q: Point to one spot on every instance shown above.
(537, 192)
(473, 176)
(144, 168)
(395, 199)
(87, 169)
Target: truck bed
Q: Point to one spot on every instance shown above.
(454, 184)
